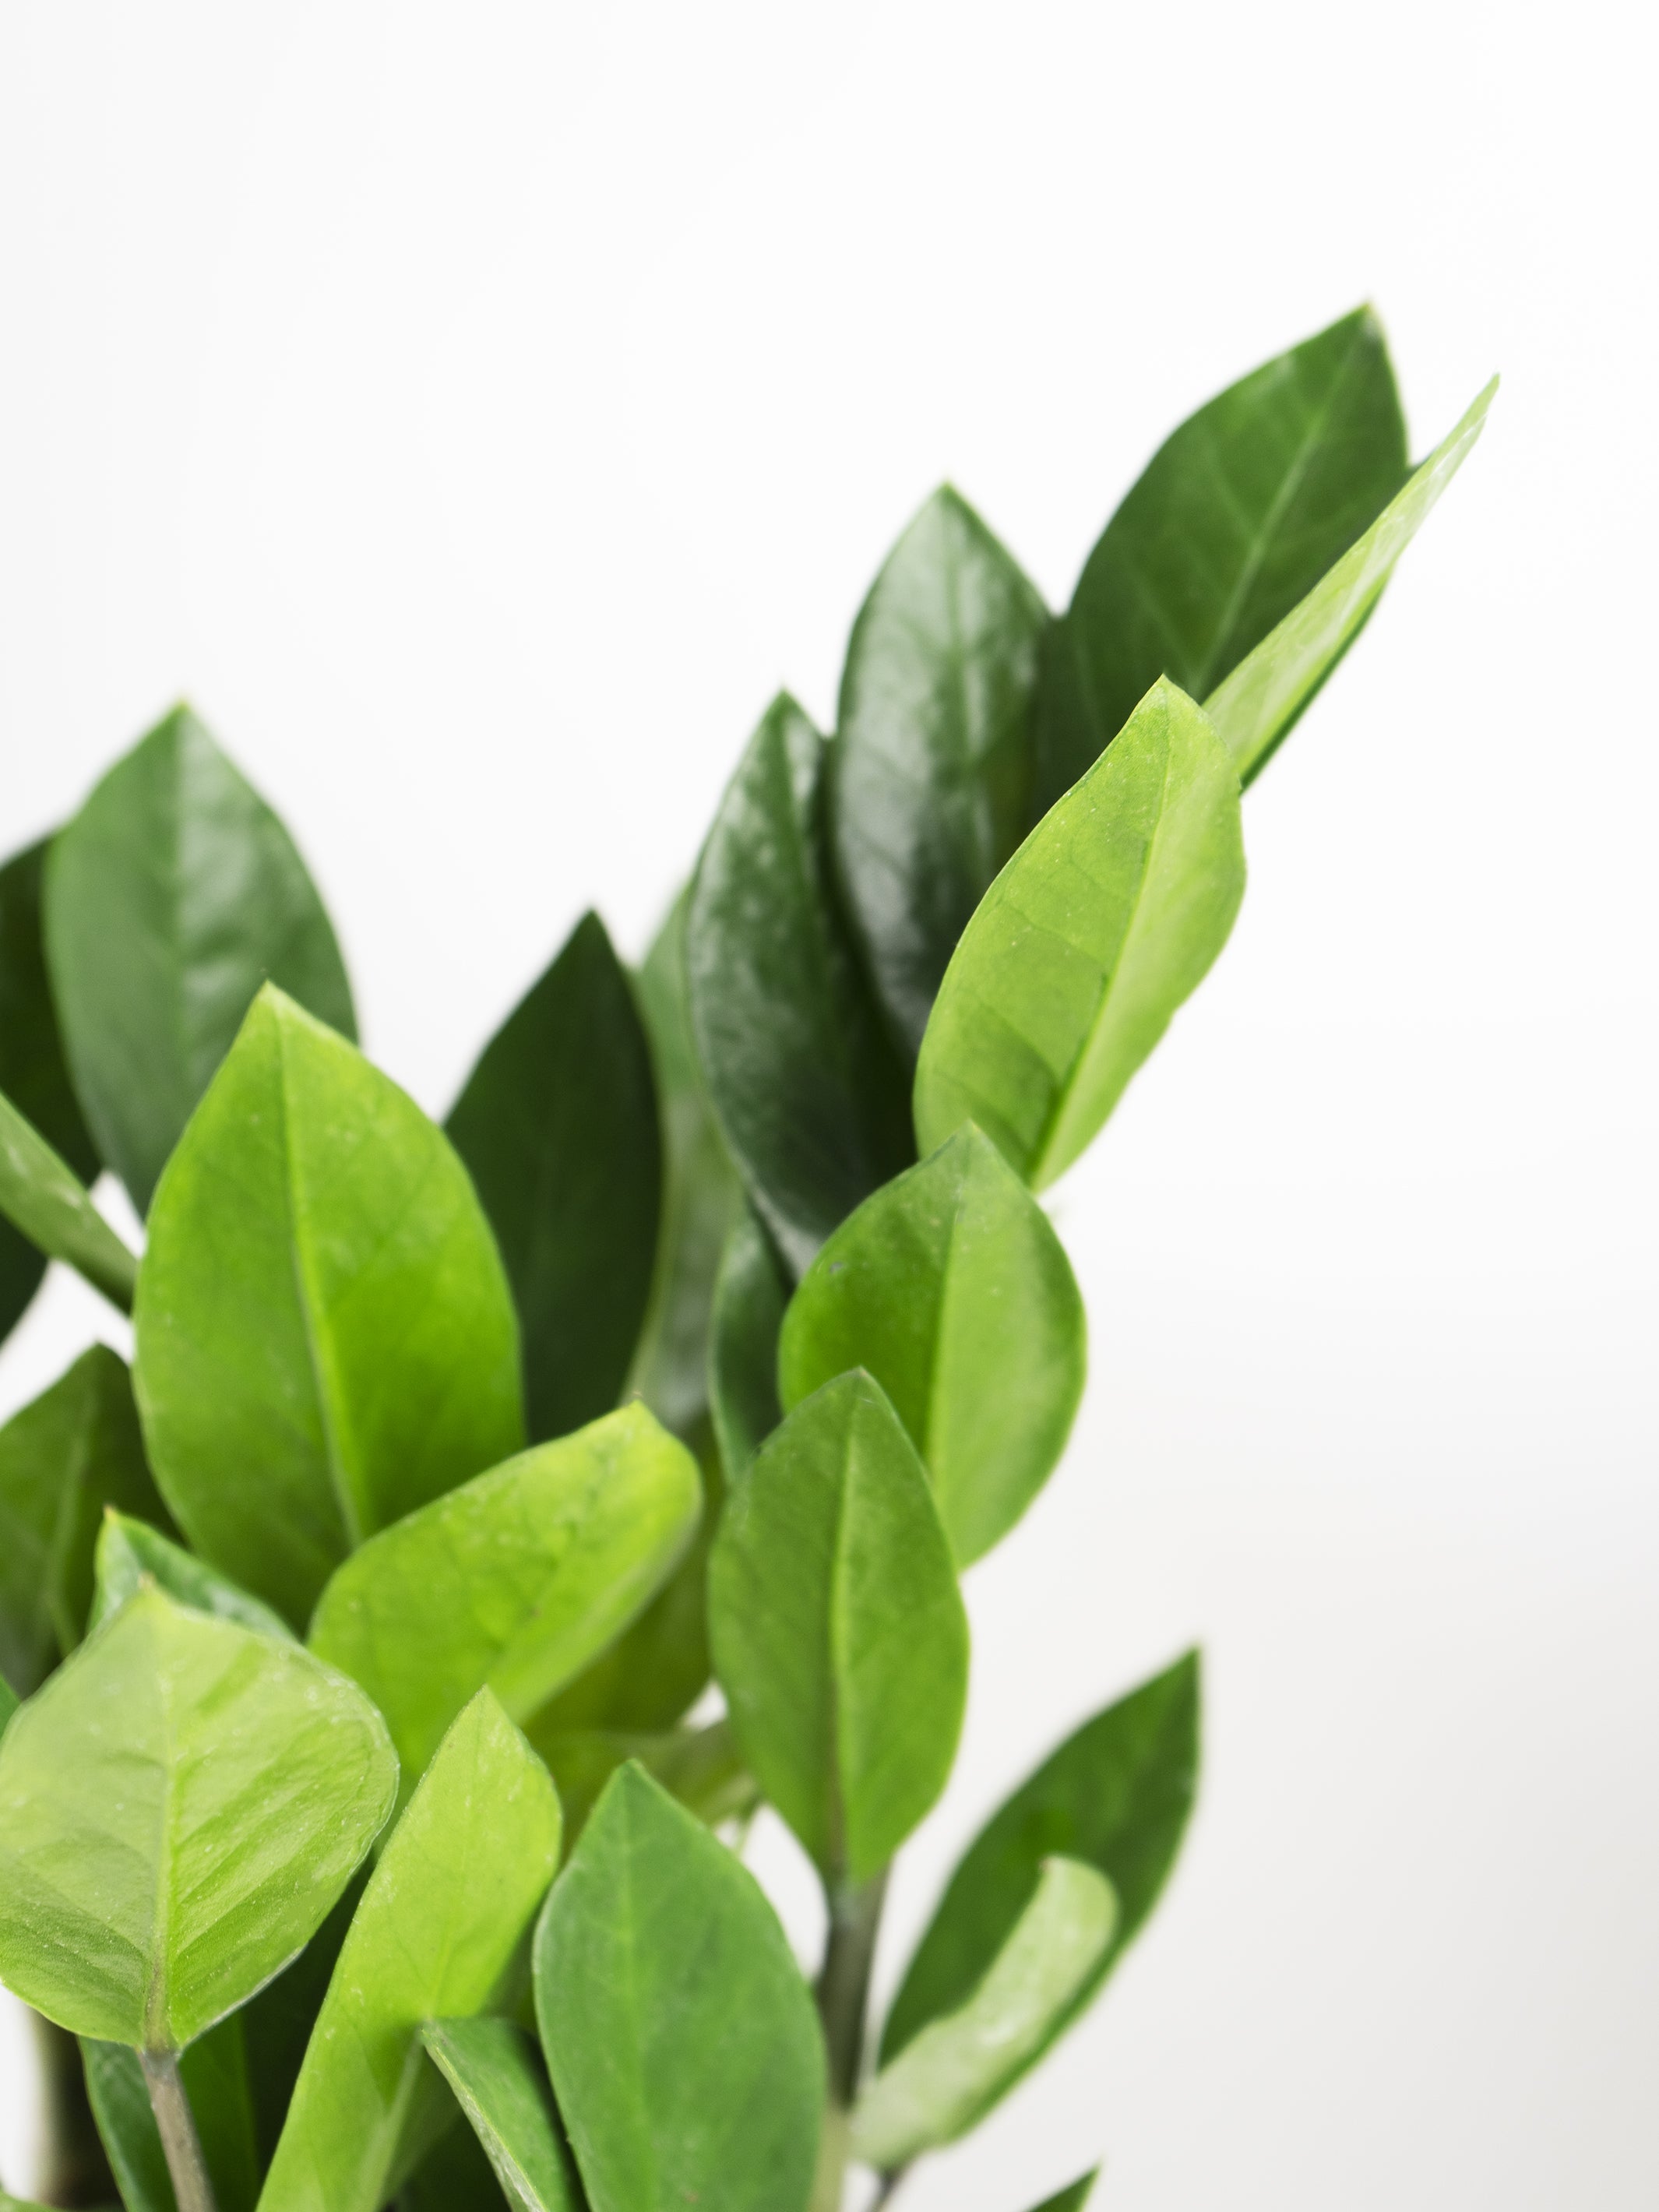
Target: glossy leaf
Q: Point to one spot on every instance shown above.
(1115, 1795)
(215, 2071)
(702, 1768)
(1262, 697)
(278, 2023)
(838, 1631)
(558, 1127)
(33, 1073)
(71, 1452)
(501, 2084)
(749, 1299)
(933, 773)
(809, 1092)
(1108, 915)
(48, 1205)
(171, 898)
(951, 1289)
(949, 2074)
(128, 1552)
(1237, 516)
(435, 1937)
(516, 1579)
(681, 2038)
(179, 1806)
(325, 1337)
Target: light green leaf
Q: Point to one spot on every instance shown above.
(1253, 709)
(179, 1806)
(516, 1579)
(557, 1125)
(838, 1631)
(276, 2026)
(436, 1937)
(171, 898)
(1107, 916)
(932, 761)
(501, 2084)
(71, 1452)
(215, 2071)
(680, 2036)
(43, 1199)
(949, 1286)
(750, 1298)
(325, 1336)
(948, 2077)
(701, 1768)
(130, 1551)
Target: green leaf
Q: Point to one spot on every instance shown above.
(838, 1631)
(171, 898)
(32, 1069)
(749, 1299)
(1073, 2197)
(951, 1287)
(46, 1201)
(436, 1937)
(701, 1768)
(180, 1806)
(809, 1092)
(9, 1702)
(949, 2074)
(1107, 916)
(278, 2023)
(1115, 1795)
(501, 2084)
(1255, 706)
(1235, 517)
(214, 2071)
(558, 1126)
(67, 1455)
(130, 1551)
(453, 2175)
(933, 763)
(681, 2038)
(325, 1336)
(516, 1579)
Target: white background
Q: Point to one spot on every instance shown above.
(479, 411)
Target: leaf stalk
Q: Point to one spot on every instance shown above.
(175, 2122)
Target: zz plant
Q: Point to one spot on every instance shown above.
(365, 1812)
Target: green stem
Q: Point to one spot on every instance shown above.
(74, 2172)
(176, 2124)
(843, 1996)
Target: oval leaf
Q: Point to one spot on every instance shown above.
(325, 1338)
(179, 1806)
(807, 1089)
(501, 2084)
(436, 1936)
(933, 756)
(951, 1287)
(838, 1631)
(1108, 915)
(171, 898)
(43, 1199)
(558, 1126)
(516, 1579)
(130, 1552)
(680, 2036)
(1115, 1795)
(749, 1299)
(215, 2072)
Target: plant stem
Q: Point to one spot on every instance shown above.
(843, 1996)
(74, 2171)
(176, 2124)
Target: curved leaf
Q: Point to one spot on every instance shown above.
(130, 1553)
(1073, 2197)
(325, 1338)
(171, 898)
(749, 1299)
(501, 2084)
(1108, 915)
(48, 1204)
(215, 2071)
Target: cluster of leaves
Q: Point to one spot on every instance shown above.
(351, 1789)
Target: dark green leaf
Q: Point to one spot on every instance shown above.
(9, 1702)
(501, 2084)
(807, 1088)
(516, 1579)
(67, 1455)
(452, 2175)
(1072, 2198)
(130, 1553)
(214, 2071)
(171, 898)
(440, 1924)
(682, 2041)
(179, 1806)
(46, 1202)
(558, 1125)
(949, 1286)
(1115, 1795)
(326, 1339)
(1237, 516)
(933, 763)
(1108, 915)
(32, 1069)
(749, 1299)
(838, 1631)
(701, 1767)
